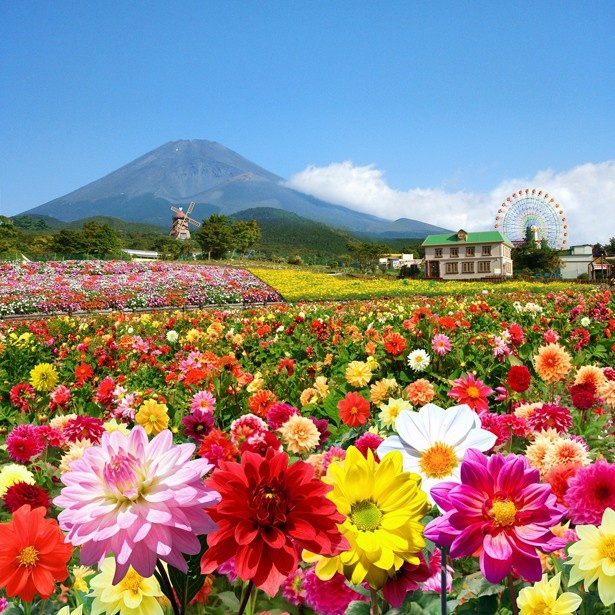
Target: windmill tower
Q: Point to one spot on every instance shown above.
(181, 221)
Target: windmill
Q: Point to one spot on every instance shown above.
(181, 220)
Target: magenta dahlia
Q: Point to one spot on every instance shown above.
(501, 512)
(590, 491)
(141, 500)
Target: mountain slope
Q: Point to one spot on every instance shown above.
(218, 180)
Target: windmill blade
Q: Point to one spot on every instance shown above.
(190, 208)
(195, 222)
(176, 210)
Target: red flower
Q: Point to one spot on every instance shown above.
(394, 343)
(24, 443)
(261, 401)
(33, 554)
(471, 391)
(83, 373)
(267, 510)
(83, 428)
(21, 493)
(354, 409)
(288, 365)
(519, 378)
(583, 395)
(21, 394)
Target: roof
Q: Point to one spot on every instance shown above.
(446, 239)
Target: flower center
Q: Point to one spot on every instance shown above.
(438, 461)
(132, 581)
(365, 515)
(607, 548)
(122, 477)
(473, 392)
(271, 505)
(28, 556)
(504, 512)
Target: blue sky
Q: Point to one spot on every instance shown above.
(430, 110)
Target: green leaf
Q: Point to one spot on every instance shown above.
(187, 585)
(358, 607)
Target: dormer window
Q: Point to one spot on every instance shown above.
(462, 235)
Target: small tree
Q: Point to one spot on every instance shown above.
(366, 253)
(9, 235)
(244, 234)
(215, 236)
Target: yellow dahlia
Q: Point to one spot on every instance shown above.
(14, 473)
(542, 598)
(390, 411)
(44, 377)
(593, 557)
(383, 506)
(153, 417)
(358, 373)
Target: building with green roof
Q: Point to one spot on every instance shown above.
(468, 256)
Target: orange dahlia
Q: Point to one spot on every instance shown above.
(552, 363)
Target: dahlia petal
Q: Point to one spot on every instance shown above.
(465, 543)
(527, 567)
(494, 570)
(497, 546)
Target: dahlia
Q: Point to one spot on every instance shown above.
(383, 507)
(140, 500)
(501, 512)
(583, 396)
(83, 427)
(418, 360)
(420, 392)
(391, 410)
(433, 442)
(203, 401)
(472, 392)
(590, 492)
(24, 443)
(381, 390)
(279, 413)
(292, 587)
(559, 478)
(441, 344)
(405, 580)
(13, 473)
(590, 374)
(331, 596)
(59, 398)
(358, 374)
(244, 427)
(21, 493)
(519, 378)
(552, 363)
(261, 401)
(267, 510)
(548, 416)
(133, 594)
(354, 409)
(606, 392)
(44, 377)
(152, 416)
(217, 446)
(198, 424)
(299, 434)
(33, 554)
(543, 598)
(591, 557)
(394, 343)
(368, 440)
(563, 451)
(21, 395)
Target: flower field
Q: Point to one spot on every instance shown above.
(74, 286)
(324, 457)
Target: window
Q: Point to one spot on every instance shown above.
(470, 251)
(484, 266)
(455, 252)
(451, 268)
(486, 250)
(438, 252)
(467, 267)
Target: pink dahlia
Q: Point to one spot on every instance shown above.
(549, 416)
(501, 512)
(472, 392)
(330, 597)
(590, 491)
(138, 499)
(24, 443)
(441, 344)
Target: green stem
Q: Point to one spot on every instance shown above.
(247, 592)
(373, 609)
(513, 599)
(27, 607)
(443, 592)
(167, 588)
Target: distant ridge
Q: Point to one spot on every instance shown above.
(218, 180)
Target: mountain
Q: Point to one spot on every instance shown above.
(218, 180)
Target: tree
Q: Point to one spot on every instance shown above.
(244, 234)
(215, 236)
(9, 235)
(366, 253)
(531, 257)
(101, 239)
(68, 241)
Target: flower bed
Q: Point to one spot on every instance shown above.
(71, 286)
(345, 448)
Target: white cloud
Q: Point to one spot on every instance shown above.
(586, 193)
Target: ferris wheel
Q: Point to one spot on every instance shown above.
(534, 210)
